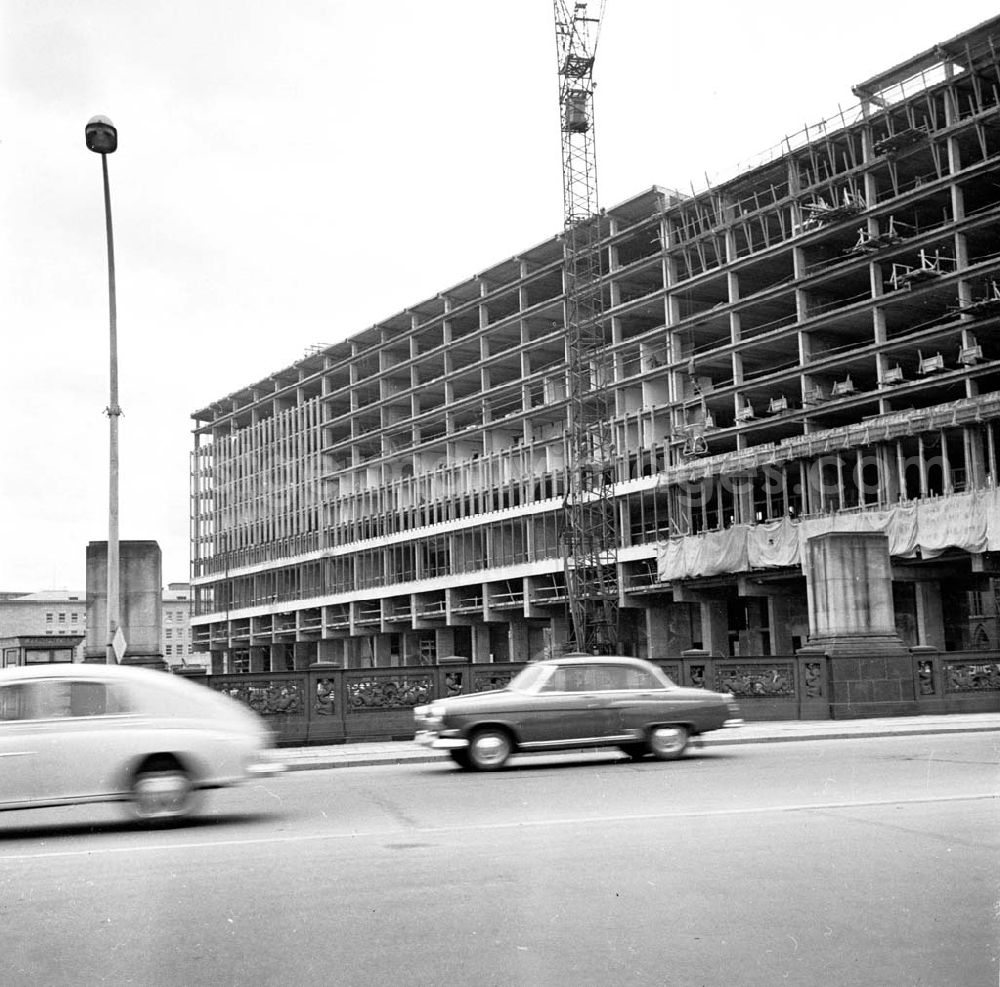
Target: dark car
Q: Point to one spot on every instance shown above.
(574, 702)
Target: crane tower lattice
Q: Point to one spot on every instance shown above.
(590, 538)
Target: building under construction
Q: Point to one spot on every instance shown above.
(803, 371)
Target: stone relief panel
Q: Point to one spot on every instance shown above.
(969, 676)
(390, 692)
(925, 678)
(672, 670)
(493, 679)
(268, 697)
(756, 681)
(453, 682)
(326, 695)
(812, 680)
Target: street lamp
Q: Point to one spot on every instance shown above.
(102, 139)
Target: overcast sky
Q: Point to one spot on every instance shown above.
(290, 173)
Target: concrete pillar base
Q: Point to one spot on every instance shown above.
(868, 675)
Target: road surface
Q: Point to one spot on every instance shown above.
(868, 862)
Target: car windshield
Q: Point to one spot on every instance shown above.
(528, 678)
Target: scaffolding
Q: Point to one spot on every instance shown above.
(591, 533)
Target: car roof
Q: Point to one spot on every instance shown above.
(86, 670)
(99, 671)
(582, 659)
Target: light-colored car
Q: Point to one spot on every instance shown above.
(575, 702)
(78, 733)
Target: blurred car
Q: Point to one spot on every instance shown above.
(574, 702)
(78, 733)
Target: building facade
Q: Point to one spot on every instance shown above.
(176, 644)
(803, 352)
(62, 615)
(55, 614)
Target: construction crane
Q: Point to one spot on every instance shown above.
(590, 535)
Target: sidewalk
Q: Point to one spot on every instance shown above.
(771, 732)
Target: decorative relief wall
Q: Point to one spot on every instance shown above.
(395, 692)
(326, 694)
(967, 676)
(812, 680)
(750, 681)
(493, 679)
(268, 697)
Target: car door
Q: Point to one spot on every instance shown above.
(18, 747)
(566, 709)
(641, 699)
(91, 737)
(80, 738)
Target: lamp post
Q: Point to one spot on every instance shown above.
(102, 139)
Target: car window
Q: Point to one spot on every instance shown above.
(572, 678)
(59, 699)
(13, 702)
(641, 678)
(610, 677)
(526, 679)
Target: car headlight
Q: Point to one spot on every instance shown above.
(434, 711)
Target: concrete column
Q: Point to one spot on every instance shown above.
(481, 643)
(381, 650)
(930, 615)
(852, 621)
(274, 660)
(849, 586)
(752, 639)
(668, 629)
(743, 500)
(444, 639)
(303, 654)
(330, 649)
(780, 618)
(520, 645)
(715, 627)
(559, 634)
(259, 659)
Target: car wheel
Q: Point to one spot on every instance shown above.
(489, 749)
(668, 742)
(634, 751)
(162, 790)
(461, 758)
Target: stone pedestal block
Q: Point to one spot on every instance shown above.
(140, 598)
(852, 622)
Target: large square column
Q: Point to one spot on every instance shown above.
(852, 622)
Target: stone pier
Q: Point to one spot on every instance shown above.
(852, 622)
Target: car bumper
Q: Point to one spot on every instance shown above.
(733, 722)
(264, 766)
(430, 738)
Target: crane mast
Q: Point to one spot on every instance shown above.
(590, 536)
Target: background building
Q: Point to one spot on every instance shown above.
(53, 613)
(176, 623)
(63, 614)
(804, 352)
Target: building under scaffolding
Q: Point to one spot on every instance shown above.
(809, 348)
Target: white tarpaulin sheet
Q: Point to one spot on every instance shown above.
(969, 521)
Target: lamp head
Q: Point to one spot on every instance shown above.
(102, 137)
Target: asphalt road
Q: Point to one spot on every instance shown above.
(869, 862)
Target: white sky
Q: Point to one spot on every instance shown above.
(290, 173)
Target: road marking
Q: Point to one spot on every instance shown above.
(493, 826)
